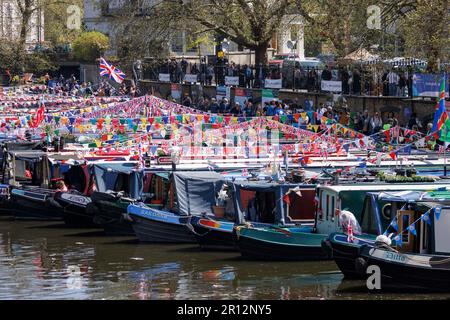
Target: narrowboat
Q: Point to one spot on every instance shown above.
(190, 193)
(420, 257)
(28, 174)
(75, 201)
(373, 214)
(118, 184)
(276, 222)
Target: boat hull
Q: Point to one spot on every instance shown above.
(160, 227)
(214, 234)
(31, 205)
(75, 212)
(345, 254)
(408, 270)
(266, 244)
(109, 213)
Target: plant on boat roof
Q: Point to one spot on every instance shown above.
(222, 196)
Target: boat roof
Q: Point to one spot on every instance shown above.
(268, 186)
(373, 187)
(415, 196)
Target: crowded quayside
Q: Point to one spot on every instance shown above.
(268, 187)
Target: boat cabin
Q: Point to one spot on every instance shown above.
(194, 192)
(428, 212)
(331, 200)
(274, 203)
(114, 178)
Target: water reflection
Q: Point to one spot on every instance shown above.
(42, 261)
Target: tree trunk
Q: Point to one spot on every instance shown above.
(261, 54)
(26, 17)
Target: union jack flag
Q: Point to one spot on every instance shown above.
(107, 70)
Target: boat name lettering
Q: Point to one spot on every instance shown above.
(392, 256)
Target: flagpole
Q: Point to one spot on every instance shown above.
(445, 159)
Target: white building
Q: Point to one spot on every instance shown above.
(11, 23)
(98, 15)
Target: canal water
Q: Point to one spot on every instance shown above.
(42, 260)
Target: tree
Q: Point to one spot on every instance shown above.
(89, 46)
(56, 22)
(249, 23)
(426, 32)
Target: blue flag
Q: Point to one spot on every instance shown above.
(398, 240)
(437, 212)
(426, 217)
(412, 229)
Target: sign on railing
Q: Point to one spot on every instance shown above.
(164, 77)
(193, 78)
(273, 83)
(232, 81)
(331, 86)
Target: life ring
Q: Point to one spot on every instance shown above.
(386, 211)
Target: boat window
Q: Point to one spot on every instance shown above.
(262, 207)
(366, 221)
(328, 206)
(405, 224)
(301, 208)
(332, 208)
(320, 205)
(123, 184)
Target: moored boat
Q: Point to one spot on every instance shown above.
(276, 221)
(190, 193)
(420, 256)
(118, 184)
(378, 209)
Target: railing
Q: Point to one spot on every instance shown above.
(360, 80)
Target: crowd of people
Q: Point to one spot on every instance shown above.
(356, 79)
(364, 122)
(71, 86)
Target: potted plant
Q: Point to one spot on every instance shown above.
(222, 197)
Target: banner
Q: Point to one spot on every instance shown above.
(232, 81)
(273, 83)
(164, 77)
(176, 90)
(428, 85)
(242, 95)
(269, 95)
(331, 86)
(192, 78)
(222, 92)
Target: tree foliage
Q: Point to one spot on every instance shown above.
(426, 32)
(89, 46)
(56, 19)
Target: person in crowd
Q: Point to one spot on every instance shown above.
(393, 80)
(187, 101)
(376, 123)
(402, 83)
(356, 82)
(345, 81)
(224, 106)
(248, 76)
(344, 117)
(414, 120)
(214, 107)
(326, 74)
(259, 110)
(209, 74)
(236, 110)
